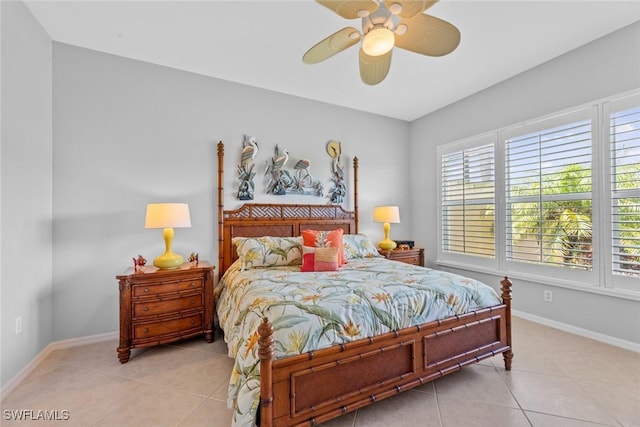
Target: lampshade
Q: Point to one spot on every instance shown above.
(167, 216)
(378, 41)
(163, 215)
(389, 214)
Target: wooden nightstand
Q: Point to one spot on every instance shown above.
(162, 306)
(413, 256)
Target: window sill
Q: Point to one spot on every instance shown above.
(611, 292)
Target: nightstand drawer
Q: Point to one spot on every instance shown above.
(155, 329)
(154, 308)
(408, 259)
(167, 287)
(414, 256)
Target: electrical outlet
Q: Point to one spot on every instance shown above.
(548, 296)
(18, 325)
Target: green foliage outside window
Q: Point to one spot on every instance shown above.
(562, 229)
(627, 210)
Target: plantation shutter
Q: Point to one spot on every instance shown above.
(468, 201)
(625, 191)
(549, 192)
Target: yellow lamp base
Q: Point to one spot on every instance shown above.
(168, 261)
(388, 245)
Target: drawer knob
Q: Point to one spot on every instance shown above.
(146, 290)
(193, 285)
(193, 302)
(146, 308)
(193, 321)
(146, 330)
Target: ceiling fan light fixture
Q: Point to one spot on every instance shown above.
(378, 41)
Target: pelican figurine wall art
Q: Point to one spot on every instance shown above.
(245, 169)
(279, 179)
(280, 161)
(303, 182)
(303, 166)
(249, 150)
(339, 190)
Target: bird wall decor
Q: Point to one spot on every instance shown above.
(281, 181)
(249, 150)
(303, 165)
(303, 182)
(339, 190)
(280, 161)
(278, 178)
(246, 173)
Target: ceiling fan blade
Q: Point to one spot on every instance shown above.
(336, 42)
(428, 35)
(373, 69)
(349, 9)
(410, 7)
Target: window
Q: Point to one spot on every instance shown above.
(557, 197)
(548, 203)
(468, 199)
(624, 126)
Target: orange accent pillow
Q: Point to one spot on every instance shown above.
(324, 239)
(319, 259)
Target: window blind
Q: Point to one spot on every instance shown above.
(625, 191)
(468, 201)
(548, 195)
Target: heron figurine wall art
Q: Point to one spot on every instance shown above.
(246, 174)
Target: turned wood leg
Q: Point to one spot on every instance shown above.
(124, 354)
(508, 356)
(209, 336)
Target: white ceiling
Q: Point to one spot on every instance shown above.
(261, 43)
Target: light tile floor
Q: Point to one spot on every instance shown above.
(558, 379)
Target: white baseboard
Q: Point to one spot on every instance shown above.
(55, 345)
(627, 345)
(91, 339)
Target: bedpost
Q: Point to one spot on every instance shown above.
(506, 300)
(355, 191)
(266, 352)
(220, 205)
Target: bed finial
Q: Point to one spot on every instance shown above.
(266, 352)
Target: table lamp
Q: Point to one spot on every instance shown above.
(387, 215)
(167, 216)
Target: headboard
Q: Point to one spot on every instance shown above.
(284, 220)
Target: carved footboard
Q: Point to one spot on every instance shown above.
(315, 387)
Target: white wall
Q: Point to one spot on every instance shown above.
(127, 133)
(25, 188)
(602, 68)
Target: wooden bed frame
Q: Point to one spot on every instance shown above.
(314, 387)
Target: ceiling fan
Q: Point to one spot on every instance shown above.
(385, 24)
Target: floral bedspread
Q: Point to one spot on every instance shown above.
(368, 296)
